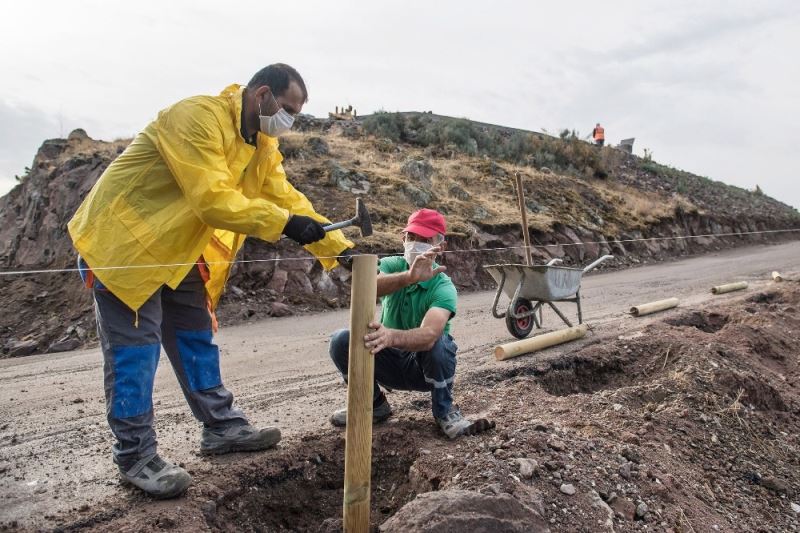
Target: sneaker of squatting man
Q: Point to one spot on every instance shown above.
(238, 439)
(454, 424)
(380, 412)
(157, 477)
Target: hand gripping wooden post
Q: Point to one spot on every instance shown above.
(360, 378)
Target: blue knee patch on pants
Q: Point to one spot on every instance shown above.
(134, 372)
(200, 359)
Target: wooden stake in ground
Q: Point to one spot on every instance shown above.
(523, 211)
(360, 378)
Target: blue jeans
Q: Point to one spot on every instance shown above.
(431, 371)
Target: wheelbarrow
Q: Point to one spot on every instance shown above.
(531, 287)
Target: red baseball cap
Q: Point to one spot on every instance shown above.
(426, 223)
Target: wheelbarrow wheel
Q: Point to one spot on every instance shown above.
(520, 327)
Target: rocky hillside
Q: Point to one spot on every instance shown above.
(575, 192)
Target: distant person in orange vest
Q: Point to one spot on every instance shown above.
(599, 135)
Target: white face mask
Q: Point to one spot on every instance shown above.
(413, 249)
(277, 124)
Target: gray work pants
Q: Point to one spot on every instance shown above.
(178, 320)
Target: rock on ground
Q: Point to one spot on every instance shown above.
(460, 511)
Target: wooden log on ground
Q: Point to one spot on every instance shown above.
(360, 378)
(514, 349)
(729, 287)
(654, 307)
(776, 276)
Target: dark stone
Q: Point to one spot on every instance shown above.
(21, 348)
(64, 346)
(318, 146)
(278, 309)
(631, 455)
(344, 179)
(624, 508)
(419, 170)
(418, 197)
(458, 511)
(278, 281)
(457, 192)
(774, 484)
(209, 510)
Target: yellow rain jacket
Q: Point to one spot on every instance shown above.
(188, 185)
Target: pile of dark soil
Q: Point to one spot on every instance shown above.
(689, 424)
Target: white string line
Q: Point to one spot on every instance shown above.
(467, 250)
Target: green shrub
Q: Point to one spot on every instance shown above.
(567, 153)
(385, 125)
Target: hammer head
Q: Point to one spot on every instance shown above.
(362, 220)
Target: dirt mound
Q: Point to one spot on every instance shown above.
(668, 426)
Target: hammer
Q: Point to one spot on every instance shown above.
(361, 220)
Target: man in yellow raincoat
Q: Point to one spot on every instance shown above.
(156, 235)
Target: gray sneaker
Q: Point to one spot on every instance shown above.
(238, 439)
(157, 477)
(454, 424)
(379, 414)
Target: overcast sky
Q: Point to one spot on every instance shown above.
(711, 87)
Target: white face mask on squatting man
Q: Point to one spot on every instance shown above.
(413, 249)
(277, 124)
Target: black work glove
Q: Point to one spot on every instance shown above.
(345, 258)
(304, 230)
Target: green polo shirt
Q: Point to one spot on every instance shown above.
(405, 309)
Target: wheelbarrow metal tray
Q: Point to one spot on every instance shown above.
(542, 282)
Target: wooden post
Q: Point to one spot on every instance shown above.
(360, 379)
(523, 211)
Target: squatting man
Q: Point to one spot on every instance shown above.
(412, 344)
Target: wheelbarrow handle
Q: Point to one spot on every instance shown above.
(500, 285)
(592, 266)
